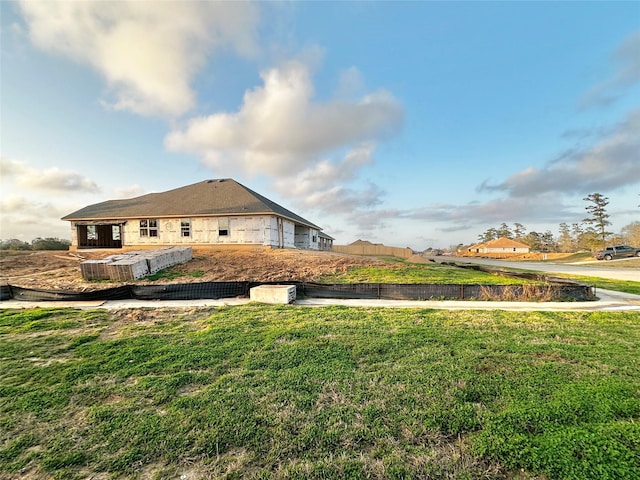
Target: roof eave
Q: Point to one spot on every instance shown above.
(69, 218)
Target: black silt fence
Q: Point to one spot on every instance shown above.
(190, 291)
(185, 291)
(33, 294)
(5, 292)
(384, 291)
(390, 291)
(216, 290)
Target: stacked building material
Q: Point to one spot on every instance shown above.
(95, 269)
(130, 266)
(160, 259)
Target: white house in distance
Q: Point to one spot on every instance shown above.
(501, 246)
(211, 212)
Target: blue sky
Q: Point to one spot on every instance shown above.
(417, 124)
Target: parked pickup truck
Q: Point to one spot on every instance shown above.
(619, 251)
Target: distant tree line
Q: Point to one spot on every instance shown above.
(590, 234)
(36, 244)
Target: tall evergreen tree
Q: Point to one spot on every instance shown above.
(504, 231)
(565, 241)
(488, 235)
(548, 242)
(519, 230)
(599, 218)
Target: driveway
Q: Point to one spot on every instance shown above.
(572, 269)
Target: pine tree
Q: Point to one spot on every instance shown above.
(565, 241)
(519, 230)
(598, 218)
(488, 235)
(504, 231)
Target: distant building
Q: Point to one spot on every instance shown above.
(211, 212)
(501, 246)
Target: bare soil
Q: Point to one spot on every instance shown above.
(60, 270)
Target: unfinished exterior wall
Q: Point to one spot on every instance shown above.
(280, 233)
(203, 230)
(245, 230)
(307, 238)
(74, 234)
(266, 230)
(251, 230)
(210, 212)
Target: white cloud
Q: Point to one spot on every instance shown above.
(50, 179)
(148, 52)
(313, 151)
(129, 191)
(279, 130)
(351, 83)
(314, 183)
(28, 208)
(369, 222)
(25, 218)
(461, 223)
(627, 73)
(324, 187)
(612, 162)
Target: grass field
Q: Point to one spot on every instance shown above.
(335, 392)
(608, 284)
(431, 273)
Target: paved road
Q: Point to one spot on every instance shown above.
(595, 271)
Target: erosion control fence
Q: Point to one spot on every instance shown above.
(566, 291)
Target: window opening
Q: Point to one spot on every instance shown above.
(92, 232)
(149, 228)
(223, 227)
(185, 227)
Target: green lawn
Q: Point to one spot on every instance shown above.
(334, 392)
(608, 284)
(432, 273)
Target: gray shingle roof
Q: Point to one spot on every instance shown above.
(209, 197)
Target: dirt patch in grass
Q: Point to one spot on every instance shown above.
(61, 270)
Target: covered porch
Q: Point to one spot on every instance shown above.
(99, 235)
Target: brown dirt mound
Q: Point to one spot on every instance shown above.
(416, 258)
(61, 270)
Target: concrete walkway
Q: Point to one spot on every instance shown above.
(608, 301)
